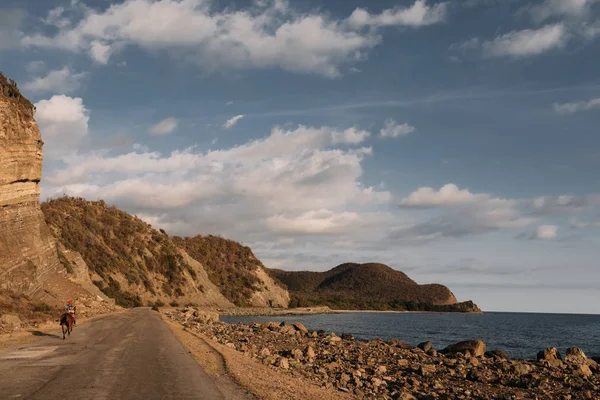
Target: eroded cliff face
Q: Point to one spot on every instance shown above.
(27, 249)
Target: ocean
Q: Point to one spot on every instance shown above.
(521, 335)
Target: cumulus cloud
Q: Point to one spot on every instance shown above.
(232, 121)
(573, 107)
(268, 34)
(164, 127)
(419, 14)
(61, 81)
(527, 42)
(291, 181)
(392, 129)
(63, 123)
(469, 214)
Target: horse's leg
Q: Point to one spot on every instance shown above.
(63, 331)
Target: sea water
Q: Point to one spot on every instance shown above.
(521, 335)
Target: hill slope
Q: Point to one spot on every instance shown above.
(367, 286)
(240, 276)
(137, 265)
(128, 259)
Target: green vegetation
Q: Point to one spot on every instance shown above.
(113, 290)
(229, 265)
(10, 90)
(112, 241)
(369, 286)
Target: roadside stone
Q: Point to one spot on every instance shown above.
(575, 356)
(425, 346)
(548, 354)
(300, 328)
(427, 370)
(283, 363)
(475, 348)
(10, 321)
(309, 352)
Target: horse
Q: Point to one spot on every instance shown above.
(66, 323)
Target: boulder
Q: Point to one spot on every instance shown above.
(475, 348)
(575, 356)
(425, 346)
(299, 327)
(549, 354)
(10, 321)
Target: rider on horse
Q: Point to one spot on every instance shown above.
(71, 309)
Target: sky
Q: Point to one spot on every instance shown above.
(455, 141)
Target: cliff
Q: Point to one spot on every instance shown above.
(367, 286)
(27, 249)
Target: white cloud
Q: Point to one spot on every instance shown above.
(164, 127)
(61, 81)
(546, 232)
(448, 194)
(561, 8)
(232, 121)
(63, 123)
(314, 222)
(419, 14)
(285, 179)
(527, 42)
(571, 108)
(392, 129)
(266, 35)
(470, 213)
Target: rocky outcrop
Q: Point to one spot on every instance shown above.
(270, 294)
(27, 249)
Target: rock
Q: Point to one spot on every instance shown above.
(575, 356)
(582, 370)
(406, 396)
(474, 361)
(297, 353)
(521, 369)
(346, 336)
(283, 363)
(427, 370)
(497, 354)
(10, 321)
(382, 369)
(300, 328)
(309, 352)
(475, 348)
(548, 354)
(28, 253)
(334, 339)
(265, 352)
(425, 346)
(344, 379)
(403, 363)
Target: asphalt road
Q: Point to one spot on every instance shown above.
(130, 355)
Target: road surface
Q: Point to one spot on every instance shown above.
(130, 355)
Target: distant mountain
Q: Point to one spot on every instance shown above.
(367, 286)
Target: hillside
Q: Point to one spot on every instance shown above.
(138, 265)
(235, 270)
(367, 286)
(128, 259)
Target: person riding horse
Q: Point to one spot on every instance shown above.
(71, 309)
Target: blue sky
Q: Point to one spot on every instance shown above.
(455, 141)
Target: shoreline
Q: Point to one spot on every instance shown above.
(268, 312)
(392, 369)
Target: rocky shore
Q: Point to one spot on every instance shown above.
(394, 370)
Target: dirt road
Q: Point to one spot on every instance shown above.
(130, 355)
